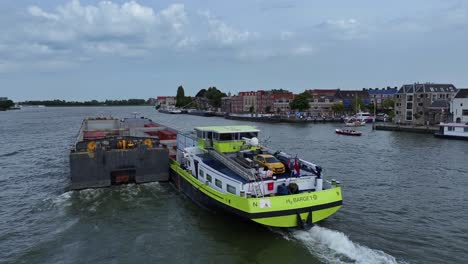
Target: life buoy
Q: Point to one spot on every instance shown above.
(148, 142)
(91, 146)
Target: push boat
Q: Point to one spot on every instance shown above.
(348, 132)
(217, 167)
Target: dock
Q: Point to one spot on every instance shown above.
(408, 128)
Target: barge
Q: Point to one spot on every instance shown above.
(226, 169)
(109, 151)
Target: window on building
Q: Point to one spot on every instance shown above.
(398, 96)
(409, 115)
(409, 98)
(465, 112)
(208, 178)
(420, 104)
(397, 112)
(409, 105)
(465, 129)
(231, 189)
(451, 128)
(218, 183)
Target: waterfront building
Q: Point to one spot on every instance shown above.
(377, 95)
(249, 99)
(423, 104)
(237, 104)
(349, 96)
(226, 104)
(264, 102)
(321, 102)
(459, 106)
(281, 102)
(166, 101)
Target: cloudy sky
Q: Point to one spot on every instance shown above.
(80, 50)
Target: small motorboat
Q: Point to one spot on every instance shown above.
(348, 132)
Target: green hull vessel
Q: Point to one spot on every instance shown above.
(215, 167)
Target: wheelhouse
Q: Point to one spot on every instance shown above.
(225, 139)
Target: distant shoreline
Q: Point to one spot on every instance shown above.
(26, 105)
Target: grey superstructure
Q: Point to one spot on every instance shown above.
(110, 151)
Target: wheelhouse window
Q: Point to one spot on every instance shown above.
(208, 178)
(451, 128)
(231, 189)
(201, 173)
(226, 137)
(218, 183)
(248, 134)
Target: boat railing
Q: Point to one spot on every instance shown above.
(247, 174)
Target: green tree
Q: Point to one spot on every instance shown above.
(180, 97)
(357, 104)
(300, 102)
(388, 104)
(370, 107)
(214, 96)
(6, 104)
(338, 107)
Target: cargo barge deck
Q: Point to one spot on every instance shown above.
(109, 151)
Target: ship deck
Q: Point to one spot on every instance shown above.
(219, 166)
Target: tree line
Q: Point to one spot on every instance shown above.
(58, 102)
(6, 104)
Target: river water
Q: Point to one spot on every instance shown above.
(405, 200)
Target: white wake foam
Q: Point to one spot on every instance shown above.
(335, 247)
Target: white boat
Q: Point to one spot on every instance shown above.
(354, 123)
(364, 117)
(453, 130)
(16, 107)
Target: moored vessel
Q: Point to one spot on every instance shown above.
(225, 168)
(109, 151)
(453, 131)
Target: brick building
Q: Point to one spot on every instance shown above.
(422, 104)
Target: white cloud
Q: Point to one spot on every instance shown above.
(303, 50)
(344, 28)
(37, 12)
(175, 16)
(224, 34)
